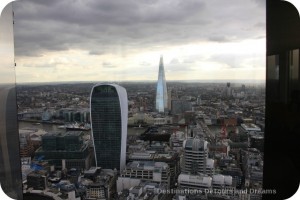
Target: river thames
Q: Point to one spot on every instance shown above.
(54, 128)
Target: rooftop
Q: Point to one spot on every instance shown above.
(146, 165)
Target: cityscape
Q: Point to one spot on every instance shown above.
(134, 100)
(142, 140)
(149, 99)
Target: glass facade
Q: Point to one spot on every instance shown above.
(161, 89)
(108, 125)
(64, 146)
(10, 164)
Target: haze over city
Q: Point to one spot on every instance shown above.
(122, 41)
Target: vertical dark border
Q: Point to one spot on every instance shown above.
(281, 159)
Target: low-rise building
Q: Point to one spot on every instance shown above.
(146, 170)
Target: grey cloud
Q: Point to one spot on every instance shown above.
(96, 52)
(45, 3)
(145, 64)
(42, 65)
(108, 65)
(174, 61)
(180, 67)
(233, 61)
(188, 61)
(261, 25)
(261, 3)
(218, 38)
(130, 24)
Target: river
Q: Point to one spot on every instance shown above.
(54, 127)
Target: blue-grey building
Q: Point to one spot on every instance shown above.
(65, 150)
(161, 89)
(109, 116)
(180, 106)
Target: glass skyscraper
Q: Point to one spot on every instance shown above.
(161, 89)
(109, 116)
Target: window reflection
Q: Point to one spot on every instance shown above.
(10, 171)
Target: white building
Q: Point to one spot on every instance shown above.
(250, 127)
(194, 181)
(143, 170)
(195, 157)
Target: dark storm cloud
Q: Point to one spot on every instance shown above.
(132, 25)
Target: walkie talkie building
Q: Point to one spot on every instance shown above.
(161, 89)
(109, 116)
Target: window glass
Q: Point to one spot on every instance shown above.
(201, 63)
(10, 168)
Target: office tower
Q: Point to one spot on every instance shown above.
(228, 90)
(169, 99)
(161, 89)
(199, 101)
(109, 116)
(180, 106)
(26, 146)
(65, 150)
(10, 164)
(243, 88)
(195, 157)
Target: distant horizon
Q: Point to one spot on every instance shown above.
(246, 81)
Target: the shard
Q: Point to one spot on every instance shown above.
(161, 89)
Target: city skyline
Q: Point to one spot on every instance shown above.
(103, 42)
(73, 49)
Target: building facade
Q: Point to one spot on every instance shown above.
(180, 106)
(109, 116)
(161, 104)
(195, 157)
(146, 170)
(65, 150)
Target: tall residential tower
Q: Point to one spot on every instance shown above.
(161, 89)
(109, 115)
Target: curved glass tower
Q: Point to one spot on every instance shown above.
(109, 115)
(161, 89)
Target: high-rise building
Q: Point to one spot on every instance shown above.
(161, 89)
(195, 157)
(109, 116)
(180, 106)
(228, 90)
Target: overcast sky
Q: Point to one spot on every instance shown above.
(105, 40)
